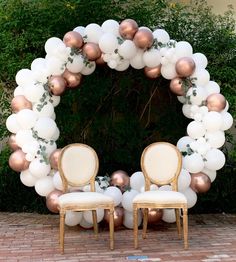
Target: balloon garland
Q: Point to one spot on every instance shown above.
(34, 130)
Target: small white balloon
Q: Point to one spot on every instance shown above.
(76, 64)
(33, 92)
(44, 186)
(108, 43)
(89, 69)
(57, 182)
(80, 30)
(191, 197)
(12, 124)
(183, 49)
(215, 159)
(196, 129)
(51, 44)
(193, 163)
(45, 127)
(26, 118)
(152, 58)
(200, 60)
(87, 215)
(212, 121)
(115, 193)
(169, 215)
(27, 178)
(161, 35)
(215, 139)
(168, 71)
(227, 121)
(24, 77)
(137, 61)
(93, 32)
(200, 77)
(184, 180)
(127, 199)
(128, 221)
(38, 168)
(137, 181)
(111, 26)
(184, 143)
(73, 218)
(127, 49)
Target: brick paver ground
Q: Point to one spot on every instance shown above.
(34, 237)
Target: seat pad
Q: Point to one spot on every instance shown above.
(84, 198)
(160, 197)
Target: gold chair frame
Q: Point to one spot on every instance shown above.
(87, 206)
(177, 206)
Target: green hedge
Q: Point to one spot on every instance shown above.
(113, 111)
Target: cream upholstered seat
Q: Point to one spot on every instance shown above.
(78, 166)
(161, 164)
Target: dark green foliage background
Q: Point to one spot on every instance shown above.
(117, 113)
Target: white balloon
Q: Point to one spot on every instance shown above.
(202, 77)
(184, 142)
(186, 109)
(212, 88)
(87, 215)
(152, 58)
(127, 49)
(85, 224)
(111, 26)
(197, 95)
(57, 182)
(168, 71)
(227, 121)
(161, 35)
(165, 188)
(123, 65)
(56, 134)
(55, 100)
(26, 118)
(191, 197)
(12, 124)
(193, 163)
(183, 49)
(115, 193)
(137, 61)
(33, 92)
(44, 186)
(19, 91)
(196, 129)
(38, 168)
(93, 32)
(45, 127)
(89, 69)
(215, 139)
(80, 30)
(24, 77)
(108, 43)
(128, 221)
(127, 199)
(137, 181)
(215, 159)
(49, 147)
(184, 180)
(46, 111)
(27, 178)
(24, 137)
(76, 65)
(51, 44)
(169, 215)
(210, 173)
(112, 64)
(212, 121)
(200, 60)
(73, 218)
(55, 66)
(38, 64)
(181, 99)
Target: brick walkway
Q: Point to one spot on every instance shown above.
(34, 237)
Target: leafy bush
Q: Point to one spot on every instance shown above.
(116, 113)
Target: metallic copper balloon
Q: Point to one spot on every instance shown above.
(73, 39)
(143, 38)
(152, 72)
(57, 85)
(12, 142)
(128, 28)
(20, 102)
(91, 51)
(100, 60)
(72, 79)
(17, 161)
(154, 215)
(185, 66)
(200, 182)
(52, 200)
(54, 157)
(118, 216)
(216, 102)
(120, 179)
(176, 86)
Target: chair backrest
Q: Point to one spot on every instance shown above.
(161, 164)
(78, 165)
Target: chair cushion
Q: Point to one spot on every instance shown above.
(160, 197)
(84, 198)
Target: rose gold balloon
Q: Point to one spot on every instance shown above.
(54, 157)
(17, 161)
(91, 51)
(200, 182)
(154, 215)
(72, 79)
(185, 66)
(73, 39)
(100, 60)
(118, 216)
(128, 28)
(143, 38)
(20, 102)
(216, 102)
(52, 200)
(176, 86)
(12, 142)
(57, 85)
(152, 72)
(120, 179)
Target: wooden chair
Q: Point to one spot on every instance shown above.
(78, 166)
(161, 164)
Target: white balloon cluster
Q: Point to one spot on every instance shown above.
(120, 46)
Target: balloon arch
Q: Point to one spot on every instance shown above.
(34, 130)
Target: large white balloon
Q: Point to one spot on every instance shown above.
(89, 69)
(87, 215)
(24, 77)
(201, 77)
(26, 118)
(191, 197)
(24, 137)
(184, 143)
(51, 44)
(227, 121)
(168, 71)
(73, 218)
(108, 43)
(128, 221)
(212, 121)
(152, 58)
(111, 26)
(183, 49)
(127, 199)
(38, 168)
(169, 215)
(215, 139)
(196, 129)
(212, 88)
(210, 173)
(44, 186)
(115, 193)
(93, 32)
(193, 163)
(215, 159)
(12, 124)
(161, 36)
(27, 178)
(200, 60)
(137, 181)
(45, 127)
(137, 61)
(184, 180)
(127, 49)
(47, 110)
(57, 182)
(76, 64)
(33, 92)
(80, 30)
(197, 95)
